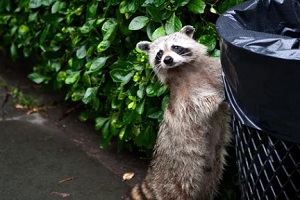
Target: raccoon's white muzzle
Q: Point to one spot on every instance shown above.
(171, 60)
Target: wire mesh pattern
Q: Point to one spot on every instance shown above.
(269, 167)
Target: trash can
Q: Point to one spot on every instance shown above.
(260, 56)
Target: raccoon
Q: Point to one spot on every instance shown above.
(189, 154)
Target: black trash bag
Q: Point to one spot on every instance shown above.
(260, 55)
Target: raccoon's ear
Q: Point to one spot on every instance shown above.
(188, 30)
(144, 46)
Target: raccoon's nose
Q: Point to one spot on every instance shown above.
(168, 60)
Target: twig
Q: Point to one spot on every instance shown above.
(66, 179)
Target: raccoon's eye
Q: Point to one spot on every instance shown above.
(179, 50)
(159, 54)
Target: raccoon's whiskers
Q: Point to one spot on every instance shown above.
(159, 67)
(187, 54)
(152, 74)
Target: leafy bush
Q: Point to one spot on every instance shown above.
(88, 47)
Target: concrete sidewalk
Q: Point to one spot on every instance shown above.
(38, 163)
(51, 155)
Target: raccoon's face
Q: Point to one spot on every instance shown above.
(172, 50)
(175, 50)
(170, 54)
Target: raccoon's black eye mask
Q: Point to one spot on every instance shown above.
(179, 50)
(159, 55)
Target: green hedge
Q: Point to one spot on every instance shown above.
(88, 48)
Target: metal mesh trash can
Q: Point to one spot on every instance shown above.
(260, 55)
(268, 166)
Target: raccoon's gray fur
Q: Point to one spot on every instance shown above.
(189, 154)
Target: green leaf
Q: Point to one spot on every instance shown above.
(98, 64)
(115, 2)
(104, 142)
(155, 13)
(37, 77)
(86, 79)
(155, 89)
(99, 21)
(35, 3)
(173, 24)
(105, 130)
(121, 75)
(55, 7)
(147, 2)
(226, 4)
(59, 37)
(77, 95)
(90, 51)
(129, 6)
(33, 16)
(53, 18)
(216, 53)
(23, 29)
(95, 103)
(55, 66)
(81, 52)
(114, 131)
(125, 65)
(90, 94)
(209, 41)
(27, 51)
(102, 46)
(75, 40)
(88, 26)
(138, 23)
(115, 104)
(99, 122)
(141, 107)
(165, 102)
(159, 32)
(196, 6)
(122, 132)
(131, 105)
(129, 116)
(108, 29)
(44, 34)
(150, 91)
(150, 30)
(92, 10)
(146, 138)
(154, 113)
(72, 77)
(213, 10)
(140, 93)
(182, 2)
(76, 64)
(60, 79)
(158, 3)
(85, 115)
(13, 51)
(162, 89)
(47, 2)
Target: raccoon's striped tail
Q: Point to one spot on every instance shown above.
(141, 192)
